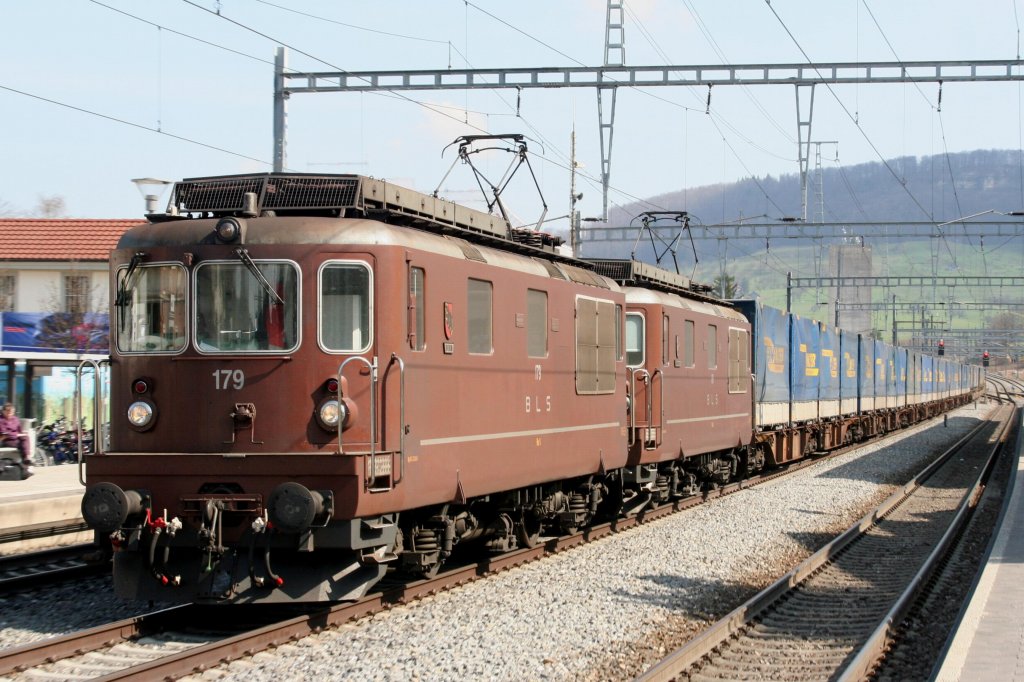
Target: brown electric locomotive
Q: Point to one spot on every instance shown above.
(316, 378)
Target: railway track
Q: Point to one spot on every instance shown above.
(168, 644)
(46, 567)
(832, 616)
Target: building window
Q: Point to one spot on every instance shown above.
(536, 323)
(418, 316)
(76, 293)
(480, 296)
(7, 291)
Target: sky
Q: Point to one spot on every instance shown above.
(94, 94)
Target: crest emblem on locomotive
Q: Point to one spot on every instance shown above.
(449, 323)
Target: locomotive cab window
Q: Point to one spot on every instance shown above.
(618, 332)
(345, 307)
(634, 340)
(479, 326)
(246, 306)
(536, 323)
(712, 347)
(151, 309)
(664, 339)
(418, 314)
(688, 343)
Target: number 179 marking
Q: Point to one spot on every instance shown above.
(223, 379)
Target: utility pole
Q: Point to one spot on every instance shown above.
(574, 215)
(894, 319)
(614, 55)
(280, 110)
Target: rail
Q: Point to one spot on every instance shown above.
(18, 660)
(732, 627)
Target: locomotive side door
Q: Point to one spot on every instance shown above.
(643, 386)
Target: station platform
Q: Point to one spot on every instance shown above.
(50, 497)
(989, 641)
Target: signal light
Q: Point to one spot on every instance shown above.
(942, 347)
(984, 359)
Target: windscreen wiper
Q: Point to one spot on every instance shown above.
(127, 284)
(243, 256)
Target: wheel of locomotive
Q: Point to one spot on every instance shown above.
(528, 530)
(427, 540)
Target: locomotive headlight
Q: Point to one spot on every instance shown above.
(140, 414)
(331, 413)
(228, 230)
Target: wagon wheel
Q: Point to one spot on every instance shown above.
(528, 530)
(431, 571)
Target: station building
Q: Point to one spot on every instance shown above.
(53, 310)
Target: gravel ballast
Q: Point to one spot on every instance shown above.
(602, 611)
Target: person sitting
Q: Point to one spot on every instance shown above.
(11, 435)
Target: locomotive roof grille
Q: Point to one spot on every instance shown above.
(362, 196)
(297, 192)
(637, 273)
(273, 192)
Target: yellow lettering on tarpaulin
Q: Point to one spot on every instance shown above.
(851, 366)
(775, 357)
(811, 364)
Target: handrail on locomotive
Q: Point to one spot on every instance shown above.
(371, 461)
(648, 380)
(97, 412)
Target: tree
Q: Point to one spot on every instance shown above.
(726, 286)
(51, 207)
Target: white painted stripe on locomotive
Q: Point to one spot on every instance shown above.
(717, 417)
(516, 434)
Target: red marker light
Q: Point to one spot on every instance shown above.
(140, 386)
(332, 385)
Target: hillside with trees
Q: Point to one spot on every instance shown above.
(936, 189)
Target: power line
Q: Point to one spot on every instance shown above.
(183, 35)
(134, 125)
(851, 117)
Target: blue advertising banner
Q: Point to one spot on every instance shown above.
(55, 332)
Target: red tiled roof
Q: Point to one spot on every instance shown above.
(60, 239)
